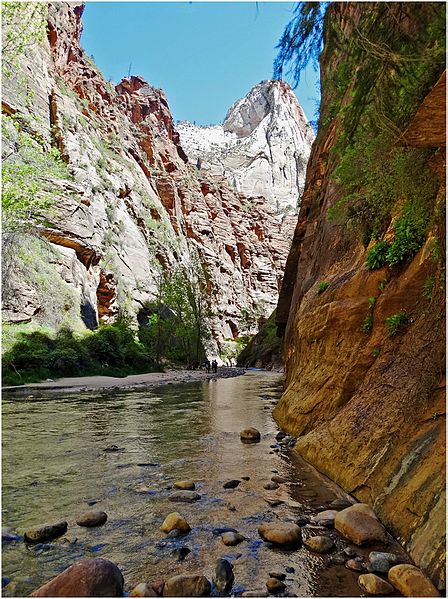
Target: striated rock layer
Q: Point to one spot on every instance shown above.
(369, 409)
(261, 148)
(135, 206)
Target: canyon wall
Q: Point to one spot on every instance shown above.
(366, 401)
(132, 205)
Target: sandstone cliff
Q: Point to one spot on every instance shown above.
(133, 205)
(261, 148)
(367, 400)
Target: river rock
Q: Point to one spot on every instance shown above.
(187, 586)
(278, 479)
(45, 532)
(223, 577)
(143, 590)
(158, 585)
(185, 485)
(356, 565)
(181, 553)
(255, 594)
(250, 435)
(283, 534)
(95, 577)
(278, 575)
(231, 484)
(411, 582)
(319, 544)
(175, 521)
(9, 535)
(92, 518)
(271, 486)
(374, 585)
(5, 581)
(185, 496)
(232, 538)
(222, 529)
(274, 585)
(340, 503)
(273, 501)
(324, 518)
(280, 435)
(357, 524)
(382, 562)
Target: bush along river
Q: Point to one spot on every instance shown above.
(170, 489)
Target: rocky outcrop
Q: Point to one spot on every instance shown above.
(261, 148)
(368, 407)
(133, 205)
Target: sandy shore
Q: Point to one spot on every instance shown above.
(134, 381)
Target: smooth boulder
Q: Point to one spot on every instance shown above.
(45, 532)
(95, 577)
(325, 518)
(359, 524)
(175, 521)
(382, 562)
(283, 534)
(92, 518)
(185, 485)
(223, 576)
(250, 435)
(411, 582)
(232, 538)
(274, 585)
(187, 586)
(374, 585)
(231, 484)
(143, 590)
(185, 496)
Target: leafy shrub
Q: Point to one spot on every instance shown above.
(367, 325)
(396, 322)
(322, 287)
(372, 302)
(377, 255)
(376, 352)
(428, 287)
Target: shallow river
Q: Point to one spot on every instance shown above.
(54, 466)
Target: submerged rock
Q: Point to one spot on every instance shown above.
(181, 553)
(411, 582)
(319, 544)
(281, 533)
(45, 532)
(9, 535)
(232, 538)
(231, 484)
(357, 565)
(95, 577)
(187, 586)
(175, 521)
(222, 529)
(223, 577)
(374, 585)
(359, 524)
(250, 435)
(278, 575)
(185, 496)
(92, 518)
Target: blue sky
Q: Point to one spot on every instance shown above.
(204, 55)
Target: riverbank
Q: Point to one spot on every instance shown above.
(134, 381)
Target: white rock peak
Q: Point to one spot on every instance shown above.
(261, 148)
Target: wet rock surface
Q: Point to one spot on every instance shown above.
(282, 534)
(411, 582)
(175, 521)
(47, 532)
(185, 497)
(223, 576)
(92, 518)
(319, 544)
(374, 585)
(250, 435)
(360, 525)
(187, 586)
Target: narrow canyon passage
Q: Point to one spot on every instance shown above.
(55, 466)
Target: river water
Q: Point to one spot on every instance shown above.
(54, 466)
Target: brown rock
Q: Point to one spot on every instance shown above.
(92, 518)
(355, 565)
(232, 538)
(45, 532)
(274, 585)
(185, 496)
(411, 582)
(250, 435)
(319, 544)
(281, 533)
(143, 590)
(271, 486)
(187, 586)
(185, 485)
(96, 577)
(326, 516)
(276, 478)
(359, 526)
(175, 521)
(374, 585)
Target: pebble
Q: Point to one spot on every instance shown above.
(327, 516)
(223, 577)
(185, 496)
(185, 485)
(175, 521)
(374, 585)
(271, 486)
(250, 435)
(232, 538)
(221, 530)
(350, 552)
(274, 585)
(92, 518)
(181, 553)
(97, 577)
(338, 559)
(278, 575)
(187, 586)
(278, 479)
(319, 544)
(411, 582)
(245, 477)
(143, 590)
(355, 564)
(45, 532)
(231, 484)
(382, 562)
(281, 534)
